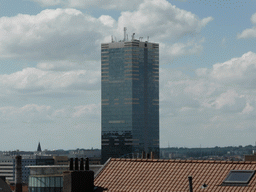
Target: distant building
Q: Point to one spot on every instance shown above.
(83, 153)
(7, 168)
(46, 178)
(7, 165)
(250, 157)
(129, 98)
(39, 148)
(50, 177)
(61, 160)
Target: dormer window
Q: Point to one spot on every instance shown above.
(239, 177)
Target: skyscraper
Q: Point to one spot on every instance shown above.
(129, 98)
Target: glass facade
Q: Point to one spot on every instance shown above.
(130, 99)
(45, 184)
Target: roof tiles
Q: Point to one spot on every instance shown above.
(170, 175)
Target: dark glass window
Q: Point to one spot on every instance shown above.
(239, 177)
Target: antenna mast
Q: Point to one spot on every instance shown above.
(125, 33)
(133, 36)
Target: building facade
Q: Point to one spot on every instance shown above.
(129, 98)
(7, 165)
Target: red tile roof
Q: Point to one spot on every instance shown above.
(170, 175)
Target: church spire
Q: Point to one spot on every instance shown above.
(39, 148)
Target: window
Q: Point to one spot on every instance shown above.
(239, 177)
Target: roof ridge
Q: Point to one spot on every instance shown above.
(183, 161)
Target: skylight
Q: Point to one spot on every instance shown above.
(239, 177)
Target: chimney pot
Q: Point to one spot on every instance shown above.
(71, 164)
(152, 155)
(81, 164)
(87, 164)
(143, 155)
(76, 164)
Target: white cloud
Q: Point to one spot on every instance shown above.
(253, 18)
(37, 113)
(226, 86)
(83, 110)
(240, 71)
(31, 80)
(250, 32)
(27, 114)
(161, 21)
(103, 4)
(230, 100)
(52, 34)
(69, 34)
(221, 99)
(68, 65)
(177, 49)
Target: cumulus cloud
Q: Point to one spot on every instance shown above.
(219, 99)
(28, 113)
(31, 80)
(81, 111)
(210, 105)
(52, 34)
(239, 71)
(103, 4)
(161, 20)
(69, 34)
(177, 49)
(68, 65)
(250, 32)
(34, 112)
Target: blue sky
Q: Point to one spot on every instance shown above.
(50, 69)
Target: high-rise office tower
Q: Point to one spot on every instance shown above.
(129, 98)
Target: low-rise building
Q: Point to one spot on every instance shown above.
(176, 175)
(7, 165)
(46, 178)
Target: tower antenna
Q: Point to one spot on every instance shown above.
(133, 36)
(125, 33)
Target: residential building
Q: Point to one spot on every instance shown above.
(129, 98)
(176, 175)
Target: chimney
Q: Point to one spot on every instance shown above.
(152, 155)
(18, 174)
(81, 164)
(87, 164)
(190, 183)
(71, 164)
(143, 155)
(78, 181)
(76, 164)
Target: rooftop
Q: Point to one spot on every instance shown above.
(172, 175)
